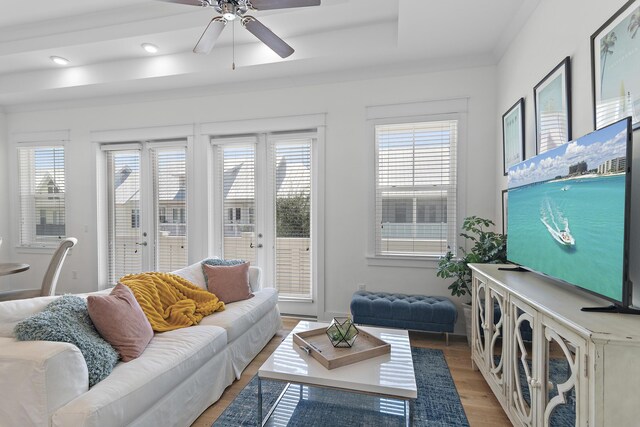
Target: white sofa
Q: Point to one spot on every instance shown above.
(178, 376)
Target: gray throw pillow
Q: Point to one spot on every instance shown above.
(218, 261)
(67, 320)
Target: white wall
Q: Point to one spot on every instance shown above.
(347, 181)
(555, 30)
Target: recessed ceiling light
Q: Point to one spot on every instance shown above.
(59, 60)
(150, 48)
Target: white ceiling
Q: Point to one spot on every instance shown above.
(338, 39)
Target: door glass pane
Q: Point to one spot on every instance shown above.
(293, 217)
(123, 169)
(170, 195)
(238, 202)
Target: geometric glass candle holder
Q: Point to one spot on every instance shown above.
(342, 332)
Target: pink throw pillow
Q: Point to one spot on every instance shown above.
(121, 322)
(229, 283)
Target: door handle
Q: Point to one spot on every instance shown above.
(141, 243)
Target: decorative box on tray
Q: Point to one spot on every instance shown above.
(317, 343)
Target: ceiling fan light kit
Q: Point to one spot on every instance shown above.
(231, 10)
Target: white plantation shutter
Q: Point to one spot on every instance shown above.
(169, 171)
(291, 161)
(42, 195)
(236, 169)
(124, 190)
(416, 188)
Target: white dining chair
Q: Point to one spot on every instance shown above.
(50, 279)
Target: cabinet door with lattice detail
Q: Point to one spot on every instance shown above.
(565, 371)
(479, 323)
(496, 329)
(524, 363)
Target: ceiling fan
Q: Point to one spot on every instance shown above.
(231, 10)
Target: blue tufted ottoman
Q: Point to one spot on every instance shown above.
(417, 312)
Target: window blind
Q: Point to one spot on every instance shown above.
(169, 169)
(123, 191)
(291, 162)
(416, 188)
(42, 195)
(237, 174)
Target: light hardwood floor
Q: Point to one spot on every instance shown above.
(479, 404)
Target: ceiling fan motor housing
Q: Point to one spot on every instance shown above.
(230, 9)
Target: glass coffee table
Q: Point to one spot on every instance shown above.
(383, 386)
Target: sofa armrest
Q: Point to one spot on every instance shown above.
(39, 377)
(255, 278)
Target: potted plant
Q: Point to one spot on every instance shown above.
(488, 247)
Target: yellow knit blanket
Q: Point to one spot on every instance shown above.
(169, 301)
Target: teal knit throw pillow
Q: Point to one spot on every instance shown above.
(218, 261)
(67, 320)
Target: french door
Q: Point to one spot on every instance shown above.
(147, 207)
(263, 203)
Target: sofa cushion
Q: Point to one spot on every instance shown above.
(230, 283)
(12, 312)
(239, 316)
(134, 387)
(120, 320)
(67, 320)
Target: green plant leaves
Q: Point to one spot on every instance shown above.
(488, 248)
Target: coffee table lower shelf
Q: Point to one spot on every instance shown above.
(383, 387)
(265, 421)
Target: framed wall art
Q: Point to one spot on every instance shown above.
(615, 61)
(552, 101)
(513, 135)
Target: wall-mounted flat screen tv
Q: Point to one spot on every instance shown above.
(569, 212)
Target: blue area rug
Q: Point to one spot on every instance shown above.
(438, 402)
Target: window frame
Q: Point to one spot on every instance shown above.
(36, 140)
(453, 109)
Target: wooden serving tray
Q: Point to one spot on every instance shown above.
(316, 343)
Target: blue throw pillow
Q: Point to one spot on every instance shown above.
(67, 320)
(218, 261)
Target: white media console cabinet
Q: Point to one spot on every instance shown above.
(547, 362)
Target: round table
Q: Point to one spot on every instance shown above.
(12, 268)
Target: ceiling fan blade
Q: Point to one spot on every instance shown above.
(267, 36)
(282, 4)
(200, 3)
(210, 35)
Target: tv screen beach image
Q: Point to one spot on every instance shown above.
(567, 211)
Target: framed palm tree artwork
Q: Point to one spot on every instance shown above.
(552, 103)
(615, 61)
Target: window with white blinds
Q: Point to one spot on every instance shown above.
(41, 192)
(237, 163)
(416, 188)
(170, 207)
(291, 161)
(124, 189)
